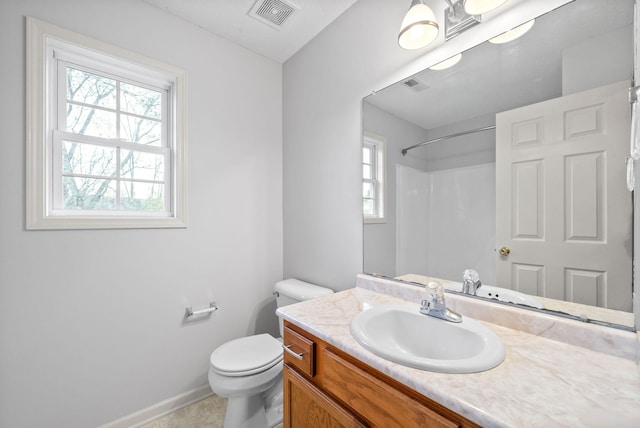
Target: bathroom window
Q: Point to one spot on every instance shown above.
(373, 178)
(107, 150)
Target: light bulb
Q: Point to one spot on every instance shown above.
(447, 63)
(513, 34)
(419, 27)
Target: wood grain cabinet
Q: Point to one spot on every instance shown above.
(325, 387)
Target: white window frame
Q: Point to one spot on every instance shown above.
(48, 49)
(379, 179)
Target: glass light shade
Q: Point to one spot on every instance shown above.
(478, 7)
(419, 27)
(513, 34)
(447, 63)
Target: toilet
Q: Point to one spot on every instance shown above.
(248, 370)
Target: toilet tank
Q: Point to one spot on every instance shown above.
(289, 291)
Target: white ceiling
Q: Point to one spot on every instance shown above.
(493, 78)
(531, 65)
(230, 19)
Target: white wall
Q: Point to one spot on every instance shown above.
(462, 223)
(596, 54)
(446, 222)
(430, 252)
(414, 228)
(323, 87)
(379, 239)
(477, 148)
(91, 322)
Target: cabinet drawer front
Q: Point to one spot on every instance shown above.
(299, 352)
(375, 401)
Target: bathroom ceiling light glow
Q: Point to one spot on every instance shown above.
(419, 27)
(478, 7)
(513, 34)
(447, 63)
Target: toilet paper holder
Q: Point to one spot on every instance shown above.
(190, 313)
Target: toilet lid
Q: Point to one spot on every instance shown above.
(247, 355)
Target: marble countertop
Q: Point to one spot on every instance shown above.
(541, 383)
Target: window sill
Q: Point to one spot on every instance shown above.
(79, 222)
(374, 220)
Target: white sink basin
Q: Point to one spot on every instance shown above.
(501, 294)
(404, 336)
(510, 296)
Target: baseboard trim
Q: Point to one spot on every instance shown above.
(146, 415)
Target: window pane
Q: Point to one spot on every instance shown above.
(366, 155)
(368, 207)
(142, 196)
(145, 102)
(88, 194)
(89, 88)
(366, 172)
(368, 190)
(88, 159)
(141, 131)
(90, 121)
(141, 166)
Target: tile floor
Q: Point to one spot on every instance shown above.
(206, 413)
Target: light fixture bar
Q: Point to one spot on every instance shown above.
(456, 20)
(420, 28)
(478, 7)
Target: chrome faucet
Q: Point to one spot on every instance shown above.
(435, 306)
(470, 282)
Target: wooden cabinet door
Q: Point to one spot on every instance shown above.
(377, 402)
(305, 406)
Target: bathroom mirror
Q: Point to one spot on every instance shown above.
(523, 176)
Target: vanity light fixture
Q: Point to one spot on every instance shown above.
(419, 27)
(513, 34)
(447, 63)
(479, 7)
(456, 20)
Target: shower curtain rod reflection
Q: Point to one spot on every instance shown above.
(446, 137)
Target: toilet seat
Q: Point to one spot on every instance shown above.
(246, 356)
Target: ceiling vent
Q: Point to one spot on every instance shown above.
(274, 13)
(414, 85)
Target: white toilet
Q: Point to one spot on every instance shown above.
(248, 370)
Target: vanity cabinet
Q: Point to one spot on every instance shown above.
(325, 387)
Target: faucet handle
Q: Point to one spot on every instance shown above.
(470, 275)
(435, 306)
(436, 291)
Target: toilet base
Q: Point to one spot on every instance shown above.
(257, 410)
(249, 412)
(245, 412)
(274, 403)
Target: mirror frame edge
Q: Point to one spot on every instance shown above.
(636, 204)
